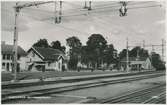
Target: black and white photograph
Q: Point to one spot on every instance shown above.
(83, 52)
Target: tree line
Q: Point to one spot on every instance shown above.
(96, 52)
(54, 44)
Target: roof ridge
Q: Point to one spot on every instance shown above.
(48, 53)
(46, 47)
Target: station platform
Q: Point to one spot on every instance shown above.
(43, 81)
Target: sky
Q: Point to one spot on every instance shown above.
(37, 22)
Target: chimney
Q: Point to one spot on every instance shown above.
(2, 42)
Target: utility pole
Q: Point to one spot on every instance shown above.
(15, 56)
(163, 50)
(138, 66)
(17, 9)
(143, 44)
(90, 6)
(56, 19)
(58, 11)
(157, 45)
(127, 56)
(152, 48)
(85, 7)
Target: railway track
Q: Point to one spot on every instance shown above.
(38, 93)
(159, 99)
(71, 80)
(144, 96)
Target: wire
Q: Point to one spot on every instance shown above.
(128, 8)
(133, 3)
(86, 12)
(72, 4)
(108, 10)
(74, 30)
(106, 4)
(116, 6)
(81, 9)
(108, 7)
(144, 7)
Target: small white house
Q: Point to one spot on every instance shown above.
(137, 63)
(41, 59)
(7, 57)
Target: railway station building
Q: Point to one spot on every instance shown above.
(141, 63)
(42, 59)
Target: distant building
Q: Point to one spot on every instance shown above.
(41, 59)
(141, 63)
(7, 57)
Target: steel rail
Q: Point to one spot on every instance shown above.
(144, 94)
(156, 99)
(45, 82)
(70, 88)
(131, 95)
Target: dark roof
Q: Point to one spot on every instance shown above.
(134, 59)
(48, 53)
(8, 49)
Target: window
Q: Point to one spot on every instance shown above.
(3, 65)
(11, 57)
(11, 64)
(49, 63)
(4, 56)
(8, 56)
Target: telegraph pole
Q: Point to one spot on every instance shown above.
(60, 11)
(163, 50)
(152, 48)
(138, 68)
(85, 7)
(15, 56)
(17, 9)
(127, 56)
(90, 5)
(143, 44)
(56, 19)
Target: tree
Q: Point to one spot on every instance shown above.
(41, 43)
(140, 51)
(122, 54)
(84, 55)
(75, 51)
(96, 45)
(133, 53)
(73, 42)
(109, 54)
(157, 62)
(57, 45)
